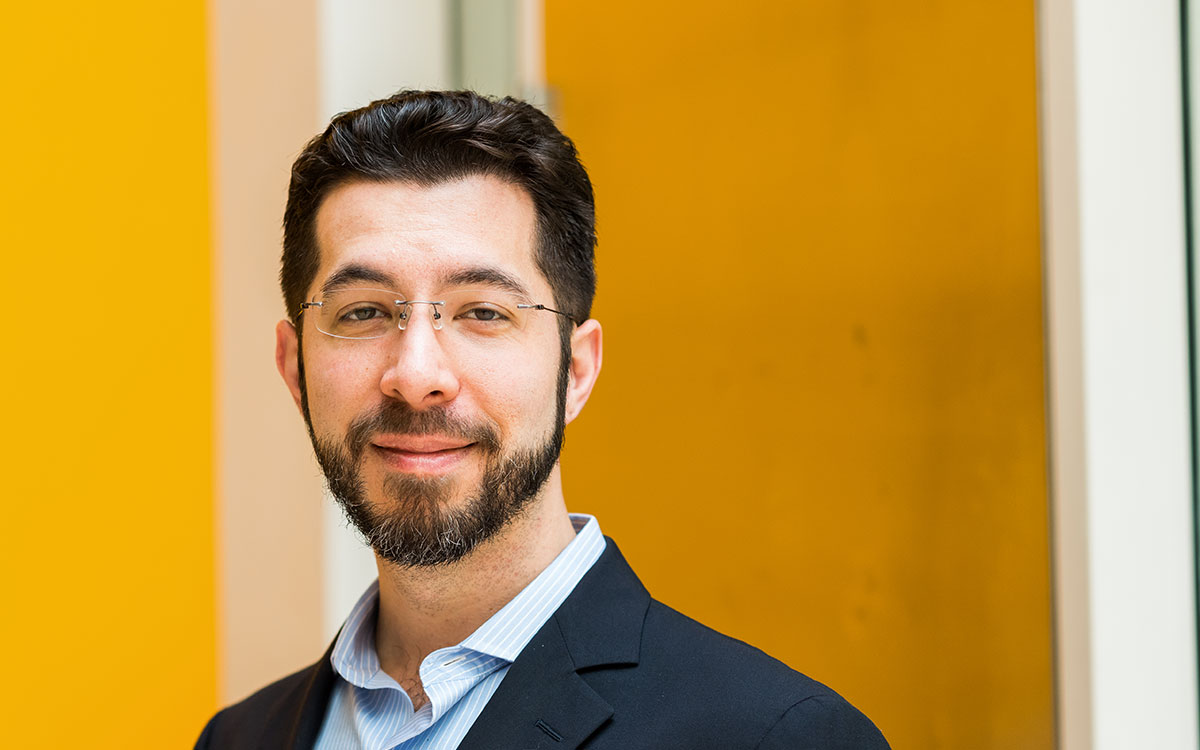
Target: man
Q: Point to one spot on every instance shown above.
(438, 275)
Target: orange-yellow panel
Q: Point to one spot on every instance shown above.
(820, 425)
(107, 541)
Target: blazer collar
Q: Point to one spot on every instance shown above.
(543, 701)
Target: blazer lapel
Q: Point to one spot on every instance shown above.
(295, 721)
(543, 702)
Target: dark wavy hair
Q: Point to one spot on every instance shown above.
(430, 137)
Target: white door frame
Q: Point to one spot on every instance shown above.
(1118, 388)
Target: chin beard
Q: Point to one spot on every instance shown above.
(419, 522)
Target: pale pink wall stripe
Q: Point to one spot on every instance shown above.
(264, 103)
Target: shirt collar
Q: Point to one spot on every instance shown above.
(506, 632)
(503, 635)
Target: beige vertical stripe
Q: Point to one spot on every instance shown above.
(264, 104)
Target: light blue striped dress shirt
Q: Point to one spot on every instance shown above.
(368, 710)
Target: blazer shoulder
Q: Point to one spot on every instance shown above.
(771, 700)
(828, 722)
(245, 723)
(714, 656)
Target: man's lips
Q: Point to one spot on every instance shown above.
(418, 443)
(420, 454)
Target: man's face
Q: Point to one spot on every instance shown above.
(432, 441)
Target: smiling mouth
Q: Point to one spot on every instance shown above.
(422, 455)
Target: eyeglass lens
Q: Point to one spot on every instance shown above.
(373, 313)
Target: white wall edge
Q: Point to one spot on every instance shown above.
(1112, 160)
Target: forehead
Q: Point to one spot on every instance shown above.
(422, 235)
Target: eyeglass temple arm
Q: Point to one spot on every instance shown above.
(547, 309)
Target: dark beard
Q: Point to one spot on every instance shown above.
(419, 528)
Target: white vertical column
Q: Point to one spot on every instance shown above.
(1118, 385)
(370, 49)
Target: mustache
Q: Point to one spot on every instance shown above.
(399, 418)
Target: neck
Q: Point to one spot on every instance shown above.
(424, 609)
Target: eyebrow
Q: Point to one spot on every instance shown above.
(487, 276)
(355, 273)
(475, 276)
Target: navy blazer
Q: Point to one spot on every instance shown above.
(611, 668)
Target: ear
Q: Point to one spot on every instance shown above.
(287, 357)
(587, 353)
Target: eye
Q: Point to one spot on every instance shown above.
(361, 314)
(483, 314)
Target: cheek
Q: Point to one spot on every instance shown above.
(520, 396)
(338, 389)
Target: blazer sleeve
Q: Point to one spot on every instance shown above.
(823, 722)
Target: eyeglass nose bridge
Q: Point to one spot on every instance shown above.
(406, 312)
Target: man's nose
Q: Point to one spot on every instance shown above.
(419, 370)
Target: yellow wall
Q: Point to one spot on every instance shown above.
(107, 534)
(820, 281)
